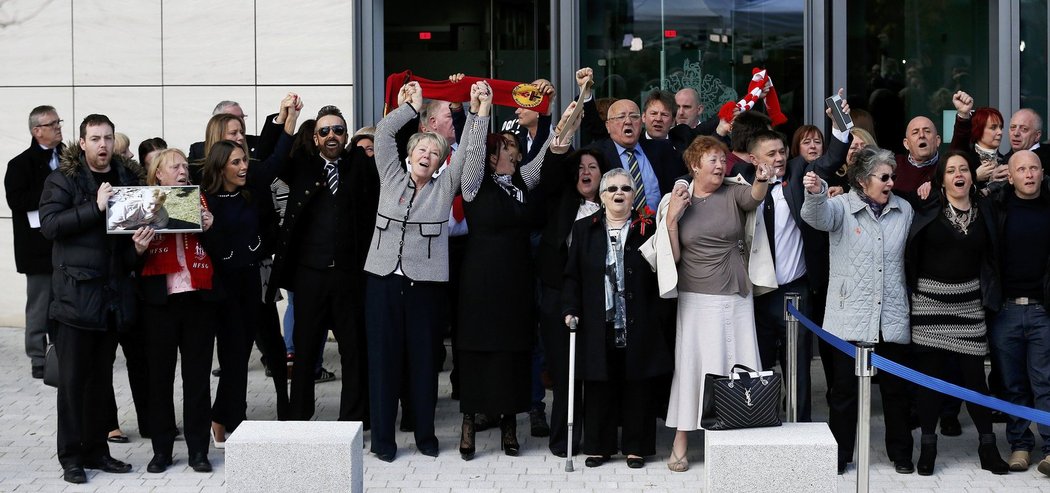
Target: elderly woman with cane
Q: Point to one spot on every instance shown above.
(867, 297)
(612, 289)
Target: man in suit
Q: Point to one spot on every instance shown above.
(332, 200)
(653, 164)
(24, 182)
(1026, 132)
(800, 253)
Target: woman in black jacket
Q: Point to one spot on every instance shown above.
(569, 183)
(241, 237)
(950, 266)
(613, 292)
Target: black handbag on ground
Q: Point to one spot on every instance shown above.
(744, 399)
(51, 366)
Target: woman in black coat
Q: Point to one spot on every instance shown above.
(613, 292)
(569, 183)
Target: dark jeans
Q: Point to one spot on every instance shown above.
(184, 326)
(1020, 336)
(896, 404)
(85, 373)
(771, 330)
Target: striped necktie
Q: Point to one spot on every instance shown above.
(636, 174)
(333, 176)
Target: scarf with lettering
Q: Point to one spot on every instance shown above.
(504, 92)
(163, 258)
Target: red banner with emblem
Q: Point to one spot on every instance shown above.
(504, 92)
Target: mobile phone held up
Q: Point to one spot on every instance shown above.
(842, 120)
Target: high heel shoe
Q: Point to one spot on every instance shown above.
(676, 463)
(466, 438)
(927, 455)
(508, 426)
(990, 459)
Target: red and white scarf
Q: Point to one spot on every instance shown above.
(759, 80)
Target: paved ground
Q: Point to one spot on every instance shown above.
(28, 463)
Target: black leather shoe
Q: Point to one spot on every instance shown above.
(159, 463)
(109, 464)
(38, 372)
(538, 426)
(903, 466)
(636, 462)
(596, 461)
(74, 474)
(385, 457)
(199, 462)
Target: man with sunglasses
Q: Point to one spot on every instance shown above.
(332, 201)
(24, 182)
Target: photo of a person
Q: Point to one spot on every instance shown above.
(165, 209)
(147, 209)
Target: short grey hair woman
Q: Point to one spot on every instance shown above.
(622, 349)
(867, 297)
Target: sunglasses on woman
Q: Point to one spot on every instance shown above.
(623, 188)
(338, 129)
(885, 177)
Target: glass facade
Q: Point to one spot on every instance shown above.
(635, 46)
(1033, 48)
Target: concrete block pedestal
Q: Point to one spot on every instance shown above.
(794, 457)
(292, 456)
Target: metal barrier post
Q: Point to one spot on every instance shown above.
(864, 372)
(791, 327)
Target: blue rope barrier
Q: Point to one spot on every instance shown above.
(936, 384)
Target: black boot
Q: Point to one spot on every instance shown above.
(989, 453)
(927, 455)
(466, 438)
(508, 426)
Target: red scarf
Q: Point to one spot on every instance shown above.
(504, 92)
(162, 258)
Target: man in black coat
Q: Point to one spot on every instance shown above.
(1025, 133)
(24, 182)
(332, 201)
(800, 252)
(93, 292)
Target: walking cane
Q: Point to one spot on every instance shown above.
(572, 389)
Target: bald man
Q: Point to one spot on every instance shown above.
(1020, 332)
(915, 168)
(689, 107)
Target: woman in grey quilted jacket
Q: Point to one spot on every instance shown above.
(867, 299)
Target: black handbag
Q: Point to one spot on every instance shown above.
(744, 399)
(51, 366)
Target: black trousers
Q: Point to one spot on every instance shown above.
(401, 328)
(184, 327)
(240, 320)
(619, 403)
(85, 373)
(896, 404)
(133, 344)
(963, 369)
(555, 339)
(329, 298)
(771, 330)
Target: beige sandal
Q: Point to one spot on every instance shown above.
(678, 464)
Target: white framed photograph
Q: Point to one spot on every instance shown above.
(165, 209)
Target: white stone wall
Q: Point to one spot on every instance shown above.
(157, 68)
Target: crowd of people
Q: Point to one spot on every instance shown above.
(670, 242)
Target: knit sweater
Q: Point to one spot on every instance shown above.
(412, 223)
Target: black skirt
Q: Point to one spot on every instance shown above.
(494, 382)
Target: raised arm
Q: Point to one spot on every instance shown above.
(468, 163)
(531, 172)
(816, 210)
(388, 162)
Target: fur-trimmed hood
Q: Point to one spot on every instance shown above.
(71, 160)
